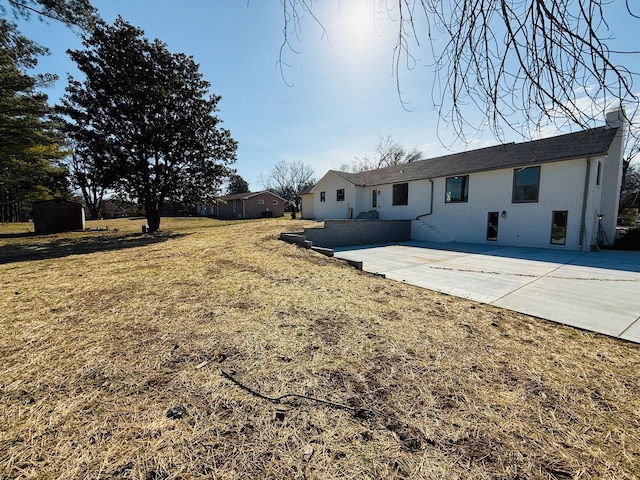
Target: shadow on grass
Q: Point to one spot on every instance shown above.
(43, 248)
(18, 235)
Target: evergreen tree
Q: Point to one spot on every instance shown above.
(237, 184)
(30, 143)
(72, 13)
(148, 116)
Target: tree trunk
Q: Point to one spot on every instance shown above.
(94, 213)
(152, 212)
(94, 206)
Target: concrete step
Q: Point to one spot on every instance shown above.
(370, 215)
(424, 231)
(324, 251)
(293, 237)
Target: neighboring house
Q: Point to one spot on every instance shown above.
(111, 210)
(250, 205)
(559, 192)
(206, 210)
(55, 216)
(177, 209)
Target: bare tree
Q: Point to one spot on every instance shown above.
(388, 152)
(632, 148)
(522, 63)
(630, 192)
(288, 179)
(87, 174)
(359, 164)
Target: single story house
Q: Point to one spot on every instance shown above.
(250, 205)
(55, 216)
(559, 192)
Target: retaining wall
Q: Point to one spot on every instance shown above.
(339, 233)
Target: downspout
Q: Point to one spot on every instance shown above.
(585, 196)
(430, 204)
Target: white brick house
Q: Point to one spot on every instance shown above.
(559, 192)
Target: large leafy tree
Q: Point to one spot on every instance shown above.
(30, 143)
(147, 114)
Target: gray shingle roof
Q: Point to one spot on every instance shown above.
(587, 143)
(245, 196)
(306, 190)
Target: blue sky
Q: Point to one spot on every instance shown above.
(338, 94)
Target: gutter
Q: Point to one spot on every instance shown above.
(585, 196)
(430, 205)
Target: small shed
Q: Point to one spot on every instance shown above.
(54, 216)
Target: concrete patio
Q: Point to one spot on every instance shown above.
(596, 291)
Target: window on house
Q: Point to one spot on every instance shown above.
(323, 196)
(261, 201)
(457, 189)
(526, 185)
(374, 199)
(598, 173)
(559, 227)
(340, 195)
(400, 194)
(274, 202)
(233, 205)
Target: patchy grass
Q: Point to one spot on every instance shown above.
(103, 333)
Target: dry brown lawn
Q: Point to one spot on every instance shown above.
(113, 346)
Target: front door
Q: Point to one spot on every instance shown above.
(559, 227)
(374, 199)
(492, 226)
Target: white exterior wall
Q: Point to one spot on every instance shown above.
(593, 203)
(419, 201)
(331, 208)
(563, 187)
(363, 201)
(524, 224)
(611, 179)
(306, 205)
